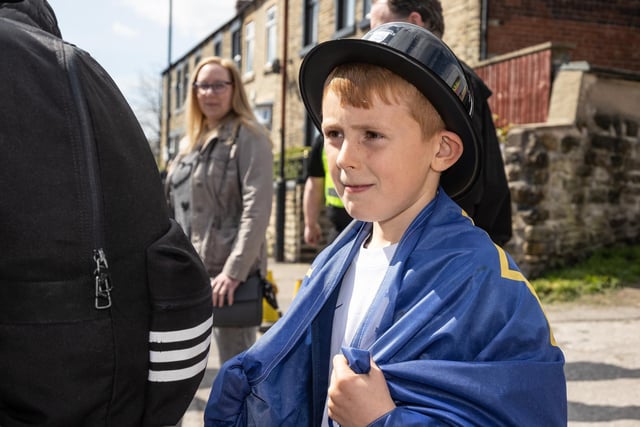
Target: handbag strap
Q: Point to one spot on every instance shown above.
(212, 188)
(207, 157)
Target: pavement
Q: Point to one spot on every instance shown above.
(600, 337)
(285, 275)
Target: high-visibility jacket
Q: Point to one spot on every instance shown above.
(331, 197)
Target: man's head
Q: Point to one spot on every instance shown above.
(424, 13)
(420, 59)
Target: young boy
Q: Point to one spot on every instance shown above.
(412, 316)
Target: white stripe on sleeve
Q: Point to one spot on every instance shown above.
(181, 335)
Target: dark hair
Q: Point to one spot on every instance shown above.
(430, 11)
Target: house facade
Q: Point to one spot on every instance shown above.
(253, 39)
(269, 38)
(517, 46)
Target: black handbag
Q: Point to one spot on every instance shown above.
(247, 305)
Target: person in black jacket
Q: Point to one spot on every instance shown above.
(489, 200)
(320, 191)
(105, 307)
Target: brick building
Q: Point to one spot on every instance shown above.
(253, 38)
(269, 38)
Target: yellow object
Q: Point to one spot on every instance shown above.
(297, 287)
(270, 314)
(331, 197)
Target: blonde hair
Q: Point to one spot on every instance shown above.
(241, 111)
(358, 83)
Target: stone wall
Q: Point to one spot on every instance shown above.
(575, 180)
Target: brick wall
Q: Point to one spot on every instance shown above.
(605, 33)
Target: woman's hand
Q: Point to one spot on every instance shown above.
(223, 286)
(357, 399)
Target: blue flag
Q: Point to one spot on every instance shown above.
(457, 330)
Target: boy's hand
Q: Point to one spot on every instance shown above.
(357, 400)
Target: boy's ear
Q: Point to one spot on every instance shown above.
(449, 150)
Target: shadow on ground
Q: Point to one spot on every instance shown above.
(590, 371)
(602, 413)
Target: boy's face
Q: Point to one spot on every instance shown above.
(380, 162)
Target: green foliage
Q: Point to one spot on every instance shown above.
(606, 269)
(294, 160)
(502, 128)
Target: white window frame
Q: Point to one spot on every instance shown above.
(272, 35)
(249, 46)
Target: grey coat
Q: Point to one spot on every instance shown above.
(222, 196)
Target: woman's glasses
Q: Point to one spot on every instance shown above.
(215, 87)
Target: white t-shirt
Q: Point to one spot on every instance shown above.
(359, 287)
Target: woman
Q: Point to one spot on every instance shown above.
(220, 187)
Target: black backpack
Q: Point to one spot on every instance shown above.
(105, 308)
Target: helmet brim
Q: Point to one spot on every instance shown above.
(323, 58)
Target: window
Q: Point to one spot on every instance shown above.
(182, 85)
(310, 30)
(217, 45)
(196, 58)
(366, 10)
(272, 36)
(345, 17)
(178, 87)
(236, 44)
(249, 45)
(185, 83)
(264, 113)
